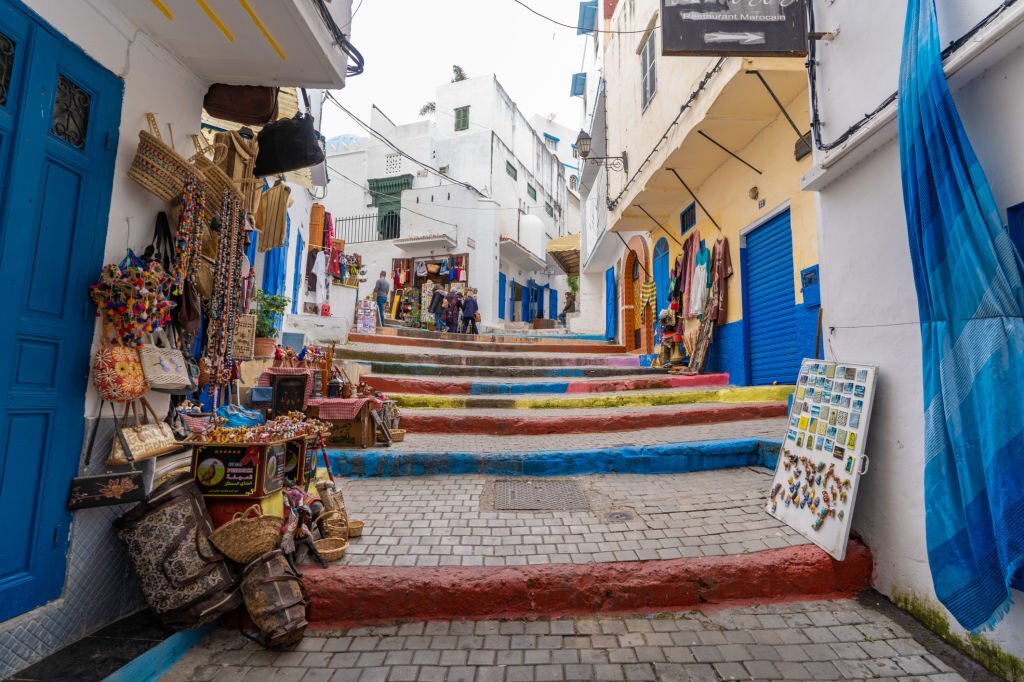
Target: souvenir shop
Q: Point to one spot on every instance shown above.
(415, 279)
(224, 497)
(697, 297)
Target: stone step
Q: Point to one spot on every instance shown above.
(521, 386)
(419, 369)
(666, 396)
(375, 352)
(532, 345)
(598, 342)
(511, 422)
(434, 547)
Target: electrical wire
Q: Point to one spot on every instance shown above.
(576, 27)
(390, 196)
(812, 73)
(358, 62)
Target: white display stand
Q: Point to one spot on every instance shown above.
(822, 457)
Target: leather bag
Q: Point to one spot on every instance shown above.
(165, 367)
(146, 438)
(110, 488)
(289, 144)
(184, 578)
(252, 105)
(275, 599)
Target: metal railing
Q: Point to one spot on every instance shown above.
(367, 228)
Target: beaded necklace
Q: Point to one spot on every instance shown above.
(226, 302)
(189, 237)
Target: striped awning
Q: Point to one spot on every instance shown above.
(566, 252)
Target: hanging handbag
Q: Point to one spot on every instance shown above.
(253, 105)
(164, 366)
(147, 437)
(161, 249)
(117, 374)
(289, 144)
(110, 488)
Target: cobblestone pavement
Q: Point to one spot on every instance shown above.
(443, 521)
(770, 429)
(819, 640)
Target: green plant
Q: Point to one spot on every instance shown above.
(574, 285)
(269, 309)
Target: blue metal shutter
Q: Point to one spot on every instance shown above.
(588, 18)
(554, 305)
(579, 85)
(501, 295)
(661, 281)
(771, 303)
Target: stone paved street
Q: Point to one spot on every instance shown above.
(819, 640)
(444, 521)
(770, 429)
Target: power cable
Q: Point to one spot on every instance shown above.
(358, 62)
(576, 27)
(390, 196)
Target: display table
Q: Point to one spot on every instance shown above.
(349, 418)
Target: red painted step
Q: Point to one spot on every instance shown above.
(538, 346)
(343, 596)
(526, 425)
(431, 386)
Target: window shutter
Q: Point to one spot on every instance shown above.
(588, 18)
(579, 85)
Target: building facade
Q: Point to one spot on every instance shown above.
(478, 192)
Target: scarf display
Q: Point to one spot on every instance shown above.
(971, 306)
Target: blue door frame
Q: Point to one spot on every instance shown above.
(54, 208)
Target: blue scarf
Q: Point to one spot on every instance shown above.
(970, 298)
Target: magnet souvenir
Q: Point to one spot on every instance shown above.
(855, 420)
(839, 452)
(815, 410)
(851, 373)
(822, 426)
(800, 393)
(858, 405)
(830, 371)
(848, 387)
(836, 398)
(800, 440)
(851, 442)
(791, 435)
(840, 372)
(845, 402)
(841, 419)
(849, 465)
(841, 435)
(859, 390)
(829, 445)
(819, 443)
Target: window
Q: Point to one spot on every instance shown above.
(648, 69)
(462, 118)
(547, 209)
(575, 152)
(531, 191)
(688, 218)
(511, 170)
(573, 182)
(392, 164)
(551, 142)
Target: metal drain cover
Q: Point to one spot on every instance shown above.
(619, 516)
(539, 495)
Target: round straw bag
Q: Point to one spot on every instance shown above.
(248, 536)
(331, 549)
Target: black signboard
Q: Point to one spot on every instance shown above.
(289, 394)
(746, 28)
(247, 471)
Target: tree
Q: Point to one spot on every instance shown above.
(458, 74)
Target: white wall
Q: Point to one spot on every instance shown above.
(868, 293)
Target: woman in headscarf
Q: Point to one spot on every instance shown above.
(453, 313)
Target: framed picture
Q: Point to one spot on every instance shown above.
(289, 394)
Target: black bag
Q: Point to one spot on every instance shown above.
(104, 490)
(289, 144)
(161, 249)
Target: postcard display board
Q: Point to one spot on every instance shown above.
(822, 457)
(366, 317)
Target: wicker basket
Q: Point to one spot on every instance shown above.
(397, 435)
(332, 549)
(355, 529)
(248, 536)
(157, 166)
(335, 524)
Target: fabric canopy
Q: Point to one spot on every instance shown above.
(566, 252)
(970, 299)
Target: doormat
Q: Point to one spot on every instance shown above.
(539, 495)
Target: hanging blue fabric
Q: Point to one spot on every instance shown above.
(970, 299)
(274, 263)
(297, 276)
(251, 251)
(611, 318)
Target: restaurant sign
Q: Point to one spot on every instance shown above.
(746, 28)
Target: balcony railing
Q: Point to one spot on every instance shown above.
(367, 228)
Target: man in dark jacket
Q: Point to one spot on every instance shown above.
(436, 308)
(469, 311)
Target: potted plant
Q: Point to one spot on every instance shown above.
(269, 309)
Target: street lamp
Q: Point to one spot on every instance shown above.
(583, 143)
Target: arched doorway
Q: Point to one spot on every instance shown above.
(637, 322)
(661, 280)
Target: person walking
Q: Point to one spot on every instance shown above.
(470, 310)
(380, 294)
(437, 308)
(452, 313)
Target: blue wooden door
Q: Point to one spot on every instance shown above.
(59, 115)
(770, 303)
(554, 304)
(611, 304)
(661, 281)
(501, 295)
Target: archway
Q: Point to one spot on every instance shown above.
(637, 321)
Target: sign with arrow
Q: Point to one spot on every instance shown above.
(745, 28)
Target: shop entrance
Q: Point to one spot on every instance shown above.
(56, 172)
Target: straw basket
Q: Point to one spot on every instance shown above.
(248, 536)
(157, 166)
(397, 435)
(217, 181)
(355, 529)
(332, 549)
(335, 524)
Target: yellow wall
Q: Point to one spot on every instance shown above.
(725, 195)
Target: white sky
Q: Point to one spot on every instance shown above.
(410, 46)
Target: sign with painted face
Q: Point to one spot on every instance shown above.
(745, 28)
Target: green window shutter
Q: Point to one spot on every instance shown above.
(462, 118)
(531, 191)
(550, 211)
(511, 170)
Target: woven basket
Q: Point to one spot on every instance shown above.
(335, 524)
(332, 549)
(397, 435)
(217, 181)
(157, 166)
(248, 536)
(355, 529)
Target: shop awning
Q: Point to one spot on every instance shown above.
(513, 251)
(566, 252)
(427, 241)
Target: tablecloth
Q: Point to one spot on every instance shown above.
(342, 408)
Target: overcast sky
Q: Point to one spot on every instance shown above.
(410, 46)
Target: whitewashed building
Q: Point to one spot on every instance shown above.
(868, 293)
(476, 186)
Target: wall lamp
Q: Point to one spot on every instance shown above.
(620, 163)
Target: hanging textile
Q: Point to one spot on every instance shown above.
(271, 216)
(297, 276)
(316, 225)
(699, 282)
(649, 296)
(971, 301)
(274, 264)
(690, 248)
(721, 271)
